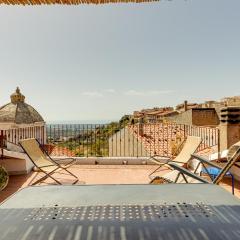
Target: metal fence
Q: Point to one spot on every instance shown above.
(113, 140)
(134, 140)
(210, 136)
(81, 140)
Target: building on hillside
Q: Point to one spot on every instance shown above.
(20, 120)
(154, 115)
(163, 117)
(231, 101)
(225, 102)
(197, 117)
(210, 104)
(183, 107)
(213, 104)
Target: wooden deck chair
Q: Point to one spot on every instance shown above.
(43, 162)
(190, 146)
(182, 175)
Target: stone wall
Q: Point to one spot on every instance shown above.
(182, 118)
(205, 117)
(125, 144)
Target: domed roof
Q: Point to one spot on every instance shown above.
(17, 111)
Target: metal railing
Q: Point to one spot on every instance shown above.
(210, 136)
(113, 140)
(14, 135)
(134, 140)
(81, 140)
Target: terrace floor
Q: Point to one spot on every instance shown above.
(97, 174)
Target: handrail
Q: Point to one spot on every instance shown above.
(113, 140)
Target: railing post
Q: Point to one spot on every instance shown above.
(184, 129)
(218, 141)
(1, 139)
(2, 142)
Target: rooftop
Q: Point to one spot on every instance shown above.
(98, 174)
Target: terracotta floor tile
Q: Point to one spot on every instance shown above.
(97, 174)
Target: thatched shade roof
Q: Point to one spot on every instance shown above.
(69, 2)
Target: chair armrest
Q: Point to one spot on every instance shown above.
(159, 161)
(204, 160)
(69, 162)
(65, 160)
(186, 172)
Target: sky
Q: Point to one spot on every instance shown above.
(92, 63)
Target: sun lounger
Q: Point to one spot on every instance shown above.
(190, 146)
(44, 163)
(182, 175)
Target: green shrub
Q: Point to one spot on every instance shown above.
(3, 178)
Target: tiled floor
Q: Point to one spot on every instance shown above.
(97, 174)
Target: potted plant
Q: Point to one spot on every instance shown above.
(3, 178)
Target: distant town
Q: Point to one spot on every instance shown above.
(199, 114)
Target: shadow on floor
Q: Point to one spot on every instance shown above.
(95, 175)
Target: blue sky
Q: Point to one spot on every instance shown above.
(100, 62)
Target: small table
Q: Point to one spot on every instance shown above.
(121, 212)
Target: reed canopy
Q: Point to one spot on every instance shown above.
(69, 2)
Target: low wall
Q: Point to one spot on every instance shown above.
(111, 160)
(16, 163)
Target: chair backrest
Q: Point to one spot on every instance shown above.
(190, 147)
(35, 153)
(233, 156)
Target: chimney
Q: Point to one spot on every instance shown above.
(185, 106)
(229, 127)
